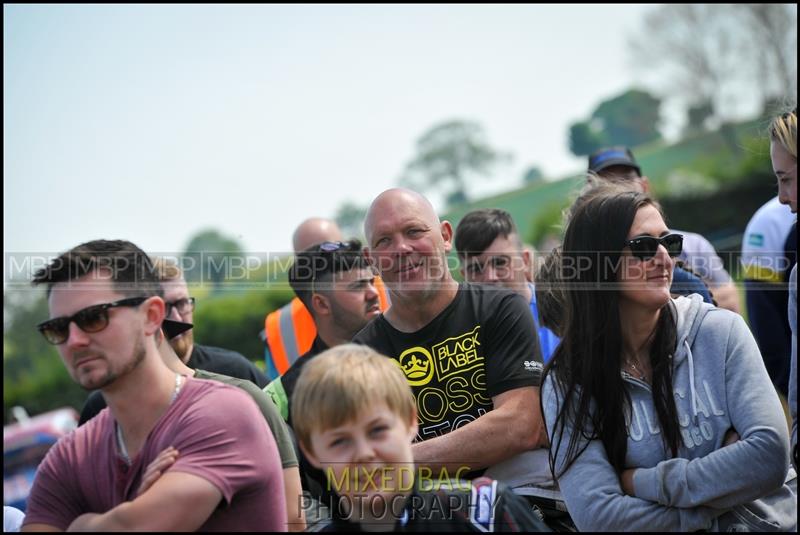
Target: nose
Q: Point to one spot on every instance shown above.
(490, 274)
(76, 338)
(784, 196)
(371, 293)
(402, 246)
(364, 451)
(662, 257)
(172, 313)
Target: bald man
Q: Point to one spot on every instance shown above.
(470, 352)
(289, 331)
(314, 231)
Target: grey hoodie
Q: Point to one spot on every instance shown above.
(719, 382)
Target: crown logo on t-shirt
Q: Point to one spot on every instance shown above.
(416, 367)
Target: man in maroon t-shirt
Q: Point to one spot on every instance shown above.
(106, 309)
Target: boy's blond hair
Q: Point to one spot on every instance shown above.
(340, 383)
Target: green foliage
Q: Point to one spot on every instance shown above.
(208, 255)
(447, 155)
(696, 117)
(350, 218)
(33, 374)
(547, 223)
(533, 175)
(525, 204)
(630, 119)
(232, 320)
(585, 138)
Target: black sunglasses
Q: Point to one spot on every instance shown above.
(90, 320)
(646, 247)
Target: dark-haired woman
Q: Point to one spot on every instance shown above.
(660, 413)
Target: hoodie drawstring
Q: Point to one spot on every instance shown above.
(691, 380)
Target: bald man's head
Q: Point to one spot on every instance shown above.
(407, 243)
(398, 199)
(313, 231)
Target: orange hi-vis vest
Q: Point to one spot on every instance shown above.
(290, 330)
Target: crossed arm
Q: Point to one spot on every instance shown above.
(177, 501)
(513, 426)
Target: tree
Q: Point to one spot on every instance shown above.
(693, 44)
(448, 155)
(585, 138)
(720, 53)
(210, 256)
(630, 119)
(533, 175)
(696, 117)
(33, 375)
(772, 36)
(350, 218)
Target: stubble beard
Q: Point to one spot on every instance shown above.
(137, 356)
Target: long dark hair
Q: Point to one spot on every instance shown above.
(586, 366)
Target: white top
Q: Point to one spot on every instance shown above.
(763, 255)
(700, 256)
(12, 518)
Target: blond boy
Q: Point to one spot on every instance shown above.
(355, 418)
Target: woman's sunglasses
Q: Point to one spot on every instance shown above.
(90, 320)
(646, 247)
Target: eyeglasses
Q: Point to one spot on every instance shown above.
(90, 320)
(646, 247)
(183, 306)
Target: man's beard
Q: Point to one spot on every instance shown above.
(137, 356)
(182, 345)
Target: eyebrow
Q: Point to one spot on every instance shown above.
(646, 235)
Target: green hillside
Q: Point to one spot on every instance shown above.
(716, 154)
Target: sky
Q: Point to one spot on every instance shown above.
(152, 123)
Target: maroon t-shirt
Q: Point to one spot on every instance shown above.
(220, 436)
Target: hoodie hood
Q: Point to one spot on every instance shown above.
(690, 311)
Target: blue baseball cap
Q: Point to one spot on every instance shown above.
(610, 156)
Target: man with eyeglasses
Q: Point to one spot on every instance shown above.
(618, 166)
(106, 312)
(179, 307)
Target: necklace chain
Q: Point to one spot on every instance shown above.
(123, 451)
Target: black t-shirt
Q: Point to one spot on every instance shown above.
(226, 362)
(289, 379)
(483, 344)
(456, 506)
(208, 358)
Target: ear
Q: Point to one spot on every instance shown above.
(154, 314)
(413, 426)
(308, 452)
(447, 235)
(646, 184)
(321, 305)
